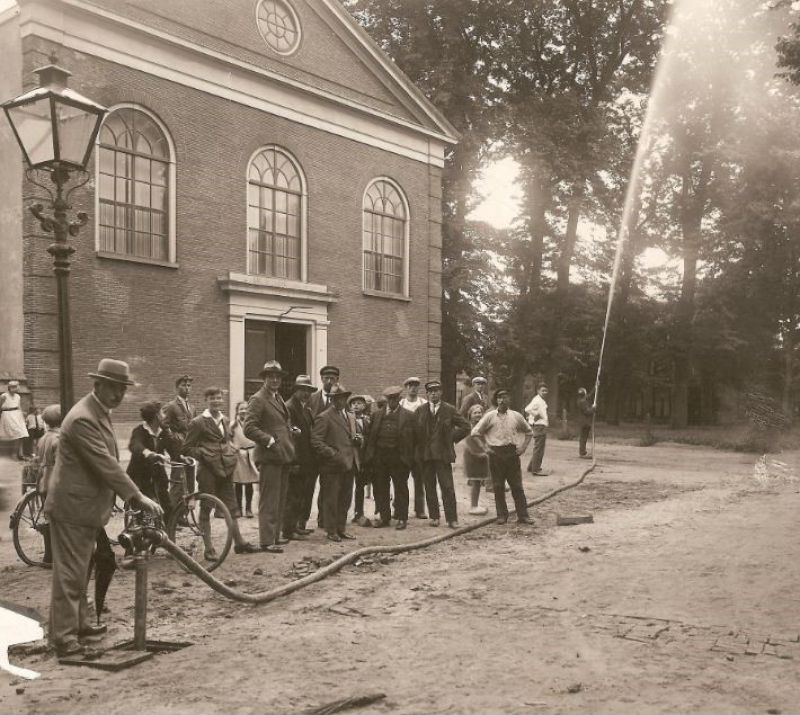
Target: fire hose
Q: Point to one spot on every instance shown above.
(158, 537)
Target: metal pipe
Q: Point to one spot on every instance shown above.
(140, 602)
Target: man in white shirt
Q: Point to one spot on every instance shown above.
(537, 418)
(507, 436)
(412, 402)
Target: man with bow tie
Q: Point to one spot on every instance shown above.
(268, 425)
(335, 441)
(439, 427)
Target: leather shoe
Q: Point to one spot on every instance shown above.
(281, 541)
(211, 555)
(421, 515)
(400, 525)
(71, 648)
(382, 524)
(524, 520)
(453, 524)
(334, 537)
(88, 631)
(303, 532)
(296, 536)
(501, 520)
(246, 548)
(271, 548)
(434, 522)
(345, 535)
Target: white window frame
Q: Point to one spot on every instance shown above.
(172, 250)
(303, 211)
(405, 292)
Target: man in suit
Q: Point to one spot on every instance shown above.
(411, 402)
(80, 495)
(322, 398)
(390, 454)
(304, 470)
(268, 425)
(177, 415)
(439, 427)
(208, 441)
(478, 396)
(335, 442)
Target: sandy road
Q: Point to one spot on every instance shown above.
(681, 597)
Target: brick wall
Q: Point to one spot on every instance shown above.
(166, 321)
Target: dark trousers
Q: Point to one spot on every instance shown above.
(176, 488)
(539, 440)
(586, 431)
(273, 485)
(337, 493)
(363, 478)
(505, 467)
(436, 470)
(244, 495)
(295, 500)
(418, 474)
(388, 467)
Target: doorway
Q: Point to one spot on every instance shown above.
(269, 340)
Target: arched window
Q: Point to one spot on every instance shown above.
(135, 185)
(385, 238)
(275, 191)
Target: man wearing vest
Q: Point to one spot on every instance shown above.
(439, 427)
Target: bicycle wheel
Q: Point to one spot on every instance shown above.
(185, 530)
(30, 530)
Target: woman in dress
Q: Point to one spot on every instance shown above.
(246, 473)
(476, 462)
(12, 421)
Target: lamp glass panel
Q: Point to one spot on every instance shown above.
(35, 130)
(75, 130)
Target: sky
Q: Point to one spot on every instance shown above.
(501, 195)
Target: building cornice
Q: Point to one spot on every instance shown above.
(84, 27)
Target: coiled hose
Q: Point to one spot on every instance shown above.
(160, 538)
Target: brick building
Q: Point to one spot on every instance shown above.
(266, 184)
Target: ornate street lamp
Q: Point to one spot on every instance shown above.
(56, 128)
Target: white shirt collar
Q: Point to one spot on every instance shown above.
(147, 428)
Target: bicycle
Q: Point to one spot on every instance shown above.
(191, 525)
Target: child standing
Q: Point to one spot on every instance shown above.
(246, 473)
(476, 462)
(46, 452)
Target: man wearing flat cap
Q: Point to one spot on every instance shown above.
(322, 398)
(335, 442)
(178, 413)
(439, 427)
(80, 495)
(390, 453)
(303, 473)
(507, 434)
(411, 402)
(478, 396)
(269, 426)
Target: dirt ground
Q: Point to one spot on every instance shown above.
(681, 597)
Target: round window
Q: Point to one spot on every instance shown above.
(279, 25)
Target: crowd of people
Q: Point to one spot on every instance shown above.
(326, 441)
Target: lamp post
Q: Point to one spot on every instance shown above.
(56, 128)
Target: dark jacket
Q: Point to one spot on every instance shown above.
(302, 418)
(473, 398)
(316, 403)
(585, 411)
(142, 469)
(211, 448)
(332, 441)
(87, 472)
(267, 417)
(177, 418)
(405, 436)
(437, 435)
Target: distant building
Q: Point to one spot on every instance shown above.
(267, 184)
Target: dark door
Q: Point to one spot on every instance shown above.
(284, 342)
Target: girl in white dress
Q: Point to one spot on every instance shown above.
(246, 473)
(12, 421)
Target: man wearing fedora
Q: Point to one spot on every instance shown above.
(390, 454)
(80, 496)
(269, 426)
(412, 402)
(478, 396)
(439, 427)
(322, 399)
(304, 470)
(507, 434)
(335, 441)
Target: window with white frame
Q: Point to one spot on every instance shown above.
(385, 237)
(274, 215)
(135, 185)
